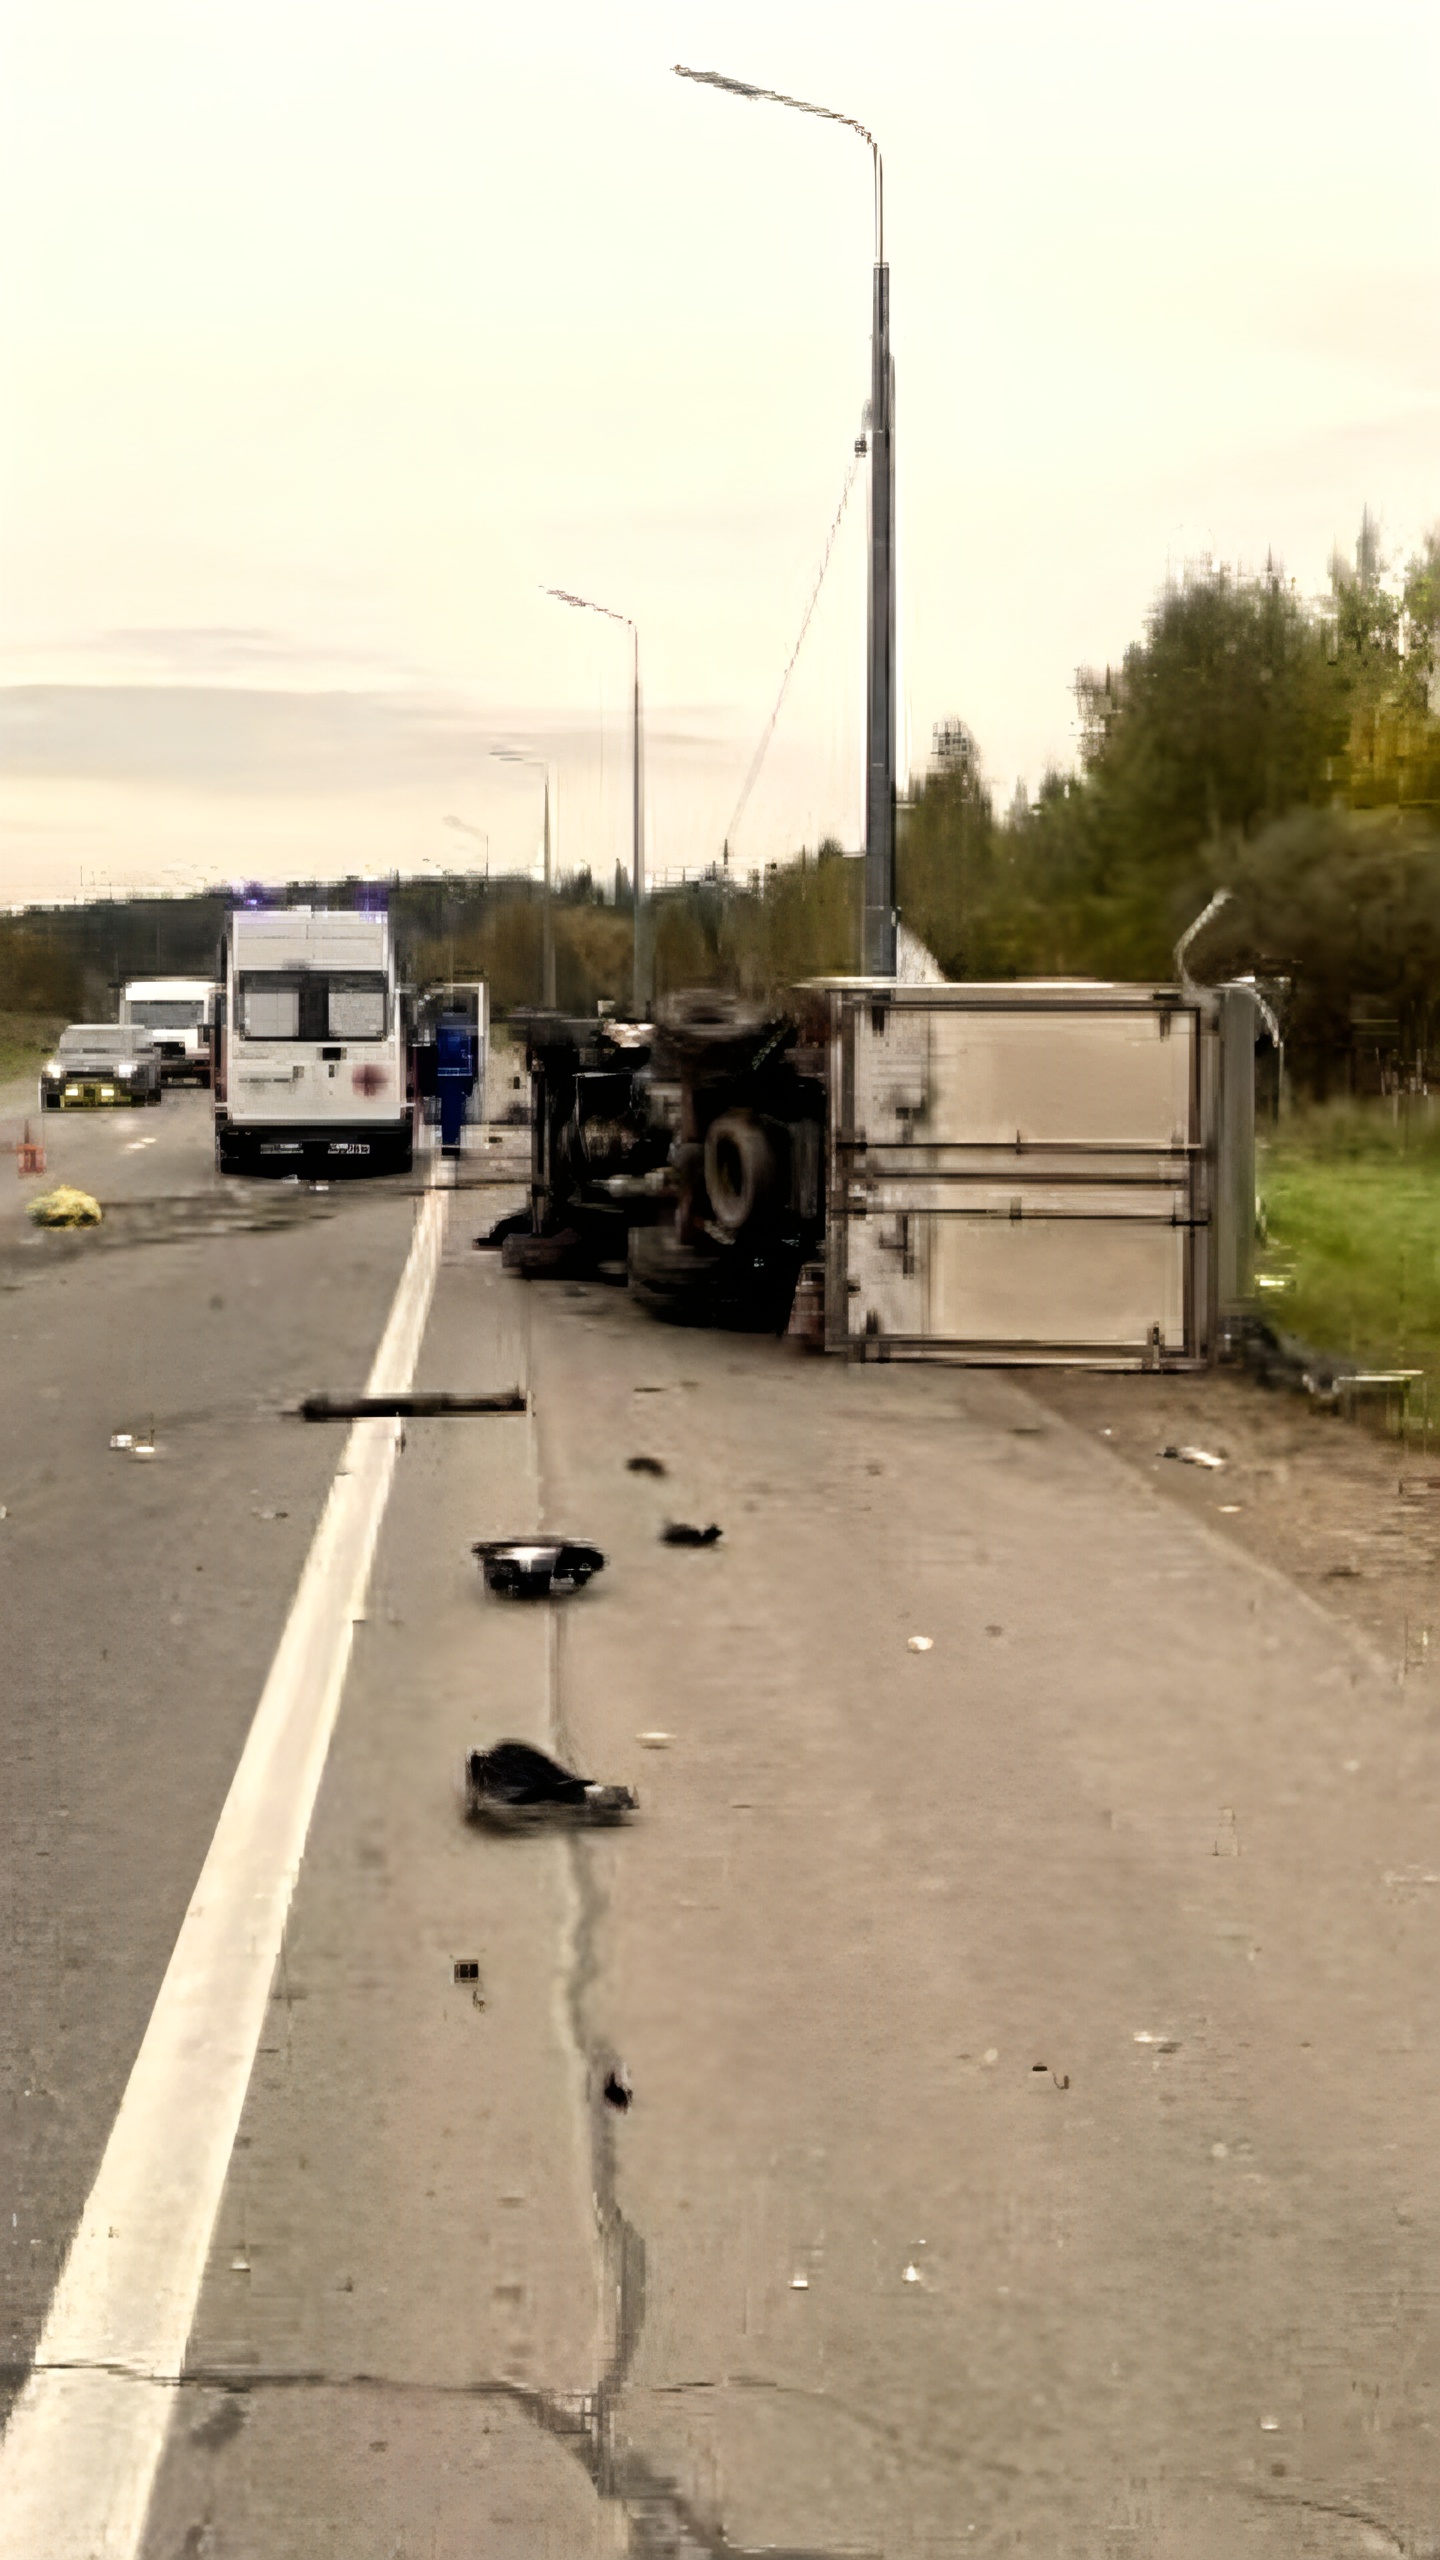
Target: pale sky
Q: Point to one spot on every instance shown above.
(330, 333)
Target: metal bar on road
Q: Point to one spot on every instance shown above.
(418, 1408)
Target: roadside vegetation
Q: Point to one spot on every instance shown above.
(1286, 749)
(26, 1040)
(1350, 1196)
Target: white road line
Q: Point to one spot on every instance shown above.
(79, 2457)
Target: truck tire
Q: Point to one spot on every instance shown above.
(741, 1173)
(699, 1020)
(672, 1281)
(230, 1155)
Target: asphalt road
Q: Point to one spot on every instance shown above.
(142, 1598)
(1032, 2037)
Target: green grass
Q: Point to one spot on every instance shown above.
(26, 1040)
(1351, 1196)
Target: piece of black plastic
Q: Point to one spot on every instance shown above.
(518, 1788)
(407, 1408)
(646, 1466)
(683, 1533)
(531, 1568)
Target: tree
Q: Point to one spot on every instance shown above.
(1386, 627)
(1228, 713)
(1343, 907)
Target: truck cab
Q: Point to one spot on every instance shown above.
(179, 1015)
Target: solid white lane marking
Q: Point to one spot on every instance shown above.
(79, 2457)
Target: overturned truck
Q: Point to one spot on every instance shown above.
(1011, 1173)
(685, 1155)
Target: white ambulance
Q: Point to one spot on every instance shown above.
(312, 1051)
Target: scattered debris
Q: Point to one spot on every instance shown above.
(1230, 1508)
(646, 1466)
(799, 2284)
(122, 1439)
(270, 1515)
(1191, 1457)
(517, 1788)
(1283, 1360)
(1162, 2044)
(920, 1644)
(555, 1257)
(65, 1208)
(990, 2056)
(518, 1223)
(531, 1568)
(683, 1533)
(993, 1630)
(618, 2092)
(467, 1969)
(655, 1741)
(414, 1408)
(912, 2275)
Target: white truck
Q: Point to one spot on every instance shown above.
(179, 1014)
(313, 1064)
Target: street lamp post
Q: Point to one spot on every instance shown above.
(477, 835)
(641, 978)
(880, 915)
(537, 764)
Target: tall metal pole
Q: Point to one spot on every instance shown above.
(640, 982)
(514, 755)
(879, 935)
(547, 925)
(880, 913)
(640, 971)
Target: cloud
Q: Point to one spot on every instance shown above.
(256, 740)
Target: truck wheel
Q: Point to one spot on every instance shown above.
(741, 1174)
(229, 1157)
(672, 1281)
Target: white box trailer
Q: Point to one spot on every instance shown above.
(313, 1065)
(1037, 1172)
(179, 1013)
